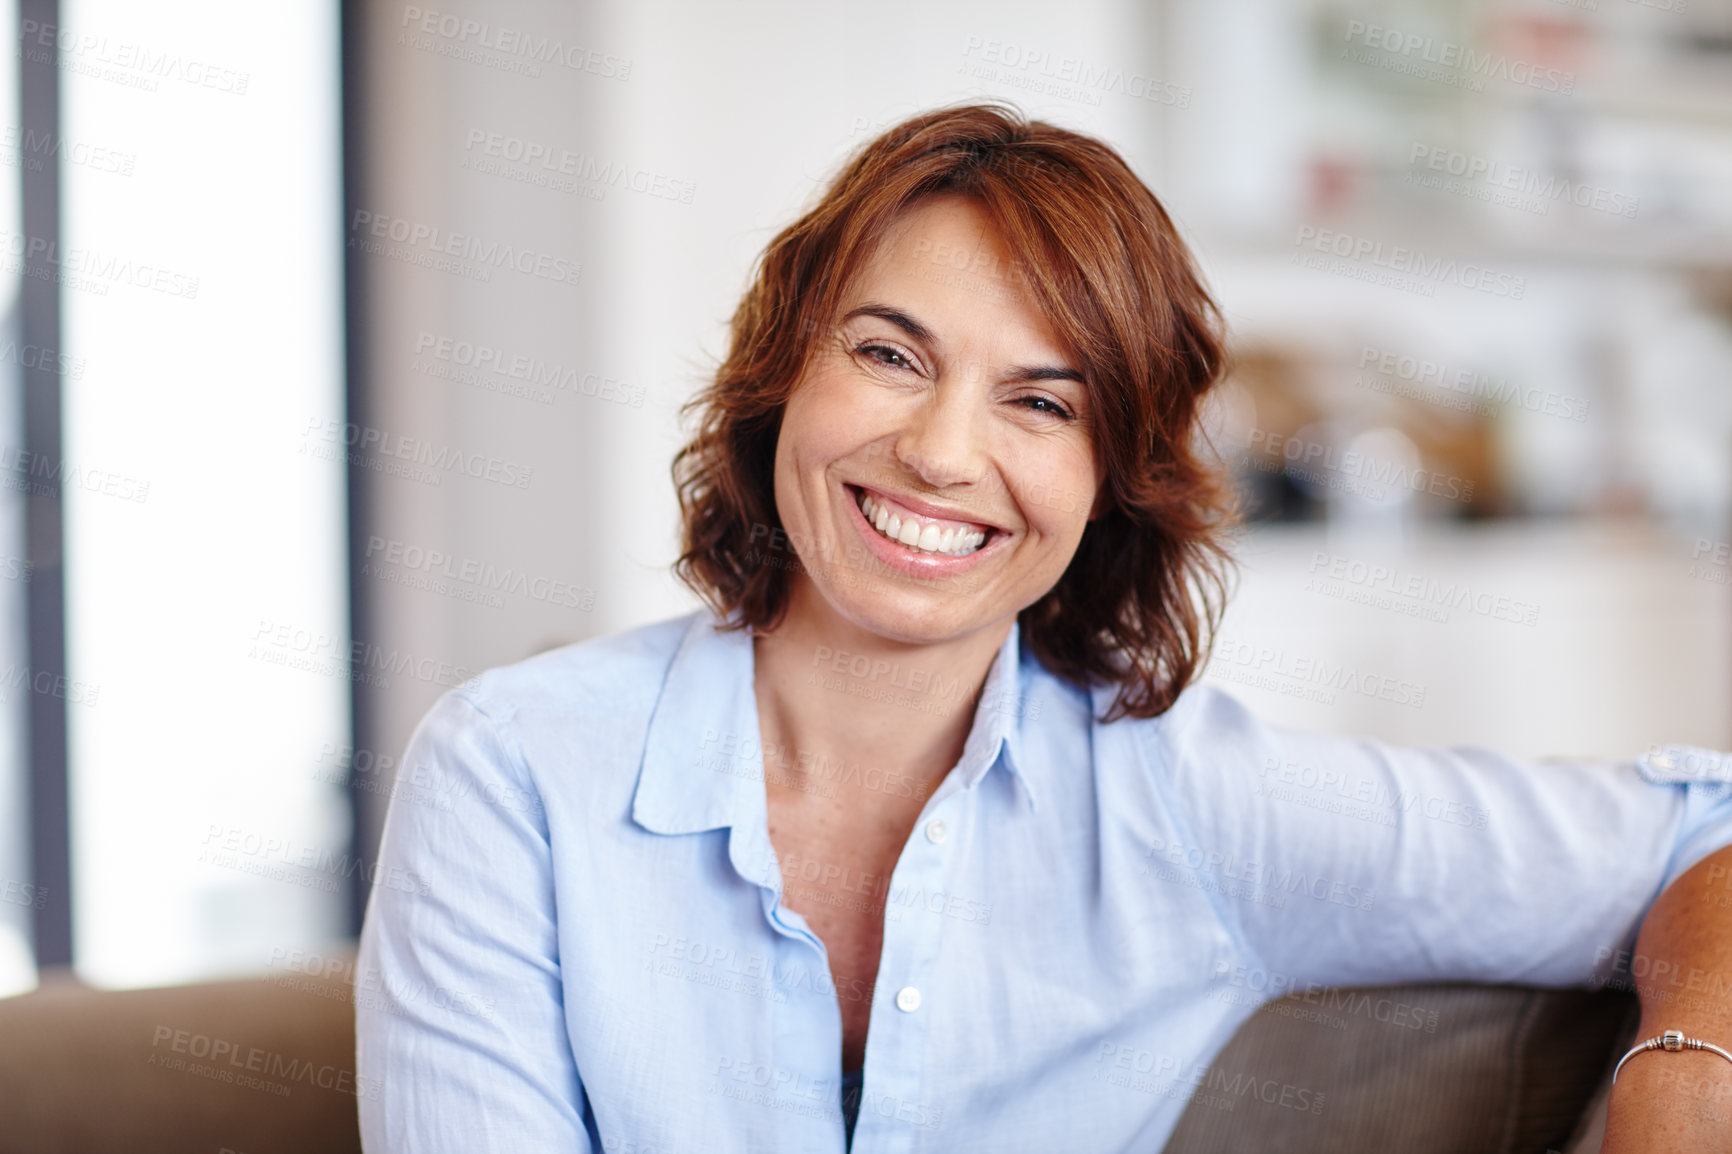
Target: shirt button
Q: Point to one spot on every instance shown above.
(935, 831)
(908, 999)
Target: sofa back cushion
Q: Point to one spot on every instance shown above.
(1435, 1069)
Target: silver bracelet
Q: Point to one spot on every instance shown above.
(1672, 1040)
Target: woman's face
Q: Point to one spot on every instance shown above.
(944, 413)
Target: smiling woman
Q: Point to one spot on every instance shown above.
(958, 245)
(918, 837)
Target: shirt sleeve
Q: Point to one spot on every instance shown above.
(1352, 862)
(460, 1017)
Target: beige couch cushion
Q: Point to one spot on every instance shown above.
(1420, 1069)
(254, 1067)
(267, 1067)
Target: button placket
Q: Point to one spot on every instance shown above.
(896, 1081)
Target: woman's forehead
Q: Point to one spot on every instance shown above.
(946, 262)
(947, 231)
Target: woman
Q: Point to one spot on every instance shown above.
(918, 819)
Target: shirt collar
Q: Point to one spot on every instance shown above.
(703, 759)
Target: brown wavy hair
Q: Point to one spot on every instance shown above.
(1100, 259)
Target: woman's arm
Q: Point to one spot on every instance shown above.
(1683, 971)
(459, 1004)
(1352, 862)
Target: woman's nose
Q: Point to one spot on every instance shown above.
(942, 439)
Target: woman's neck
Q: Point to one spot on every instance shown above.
(831, 693)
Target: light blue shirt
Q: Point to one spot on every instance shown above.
(585, 948)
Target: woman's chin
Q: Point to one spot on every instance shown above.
(894, 607)
(918, 618)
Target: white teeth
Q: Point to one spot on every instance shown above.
(928, 538)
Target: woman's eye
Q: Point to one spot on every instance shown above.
(1045, 405)
(885, 355)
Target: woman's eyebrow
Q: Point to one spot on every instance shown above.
(1044, 373)
(896, 317)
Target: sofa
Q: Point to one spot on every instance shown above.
(266, 1066)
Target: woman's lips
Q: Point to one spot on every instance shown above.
(912, 560)
(894, 520)
(914, 506)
